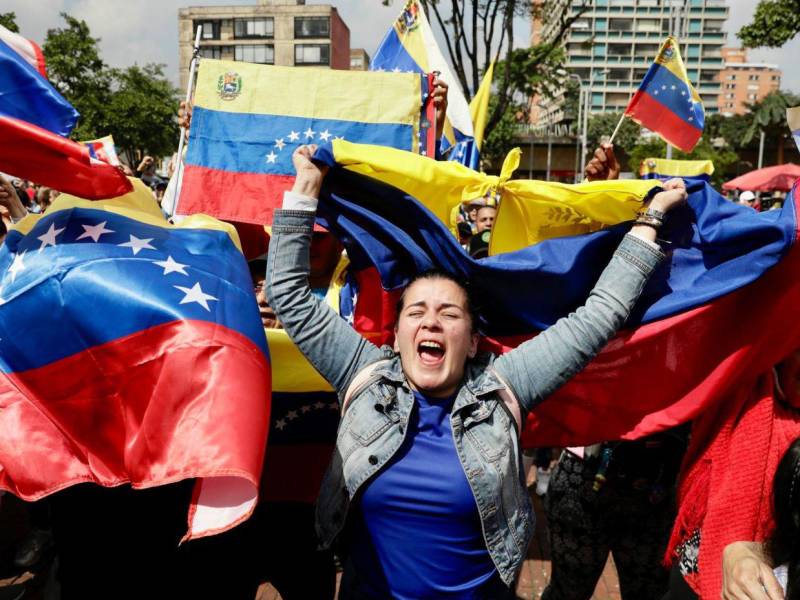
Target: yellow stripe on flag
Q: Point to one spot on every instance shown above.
(676, 168)
(395, 99)
(291, 371)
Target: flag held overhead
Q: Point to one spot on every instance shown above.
(666, 102)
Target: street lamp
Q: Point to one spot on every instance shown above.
(578, 121)
(586, 109)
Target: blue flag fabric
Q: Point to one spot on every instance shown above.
(27, 96)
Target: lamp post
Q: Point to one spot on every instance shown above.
(578, 121)
(587, 104)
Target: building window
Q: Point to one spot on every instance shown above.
(695, 26)
(753, 78)
(752, 96)
(732, 77)
(729, 96)
(211, 52)
(312, 27)
(599, 51)
(210, 30)
(256, 53)
(312, 54)
(694, 51)
(600, 24)
(620, 24)
(253, 28)
(729, 105)
(753, 87)
(776, 78)
(619, 49)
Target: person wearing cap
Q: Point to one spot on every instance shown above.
(748, 198)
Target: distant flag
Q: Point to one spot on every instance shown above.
(103, 149)
(409, 46)
(27, 49)
(468, 151)
(665, 168)
(25, 93)
(149, 364)
(666, 102)
(248, 119)
(793, 118)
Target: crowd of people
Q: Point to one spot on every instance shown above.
(395, 527)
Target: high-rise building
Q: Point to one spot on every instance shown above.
(614, 42)
(359, 59)
(272, 32)
(744, 82)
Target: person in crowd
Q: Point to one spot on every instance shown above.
(484, 218)
(613, 498)
(45, 197)
(464, 234)
(763, 569)
(12, 208)
(425, 489)
(748, 198)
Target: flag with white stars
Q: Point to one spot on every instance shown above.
(239, 158)
(131, 350)
(666, 102)
(410, 47)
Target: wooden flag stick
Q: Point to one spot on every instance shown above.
(616, 129)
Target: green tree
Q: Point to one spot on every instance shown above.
(769, 116)
(76, 70)
(601, 126)
(503, 136)
(9, 21)
(774, 23)
(142, 110)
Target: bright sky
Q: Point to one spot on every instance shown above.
(147, 30)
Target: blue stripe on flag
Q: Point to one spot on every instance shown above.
(393, 56)
(664, 87)
(249, 143)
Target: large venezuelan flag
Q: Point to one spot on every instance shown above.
(686, 344)
(666, 102)
(248, 119)
(409, 46)
(131, 351)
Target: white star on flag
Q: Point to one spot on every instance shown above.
(396, 70)
(292, 414)
(279, 144)
(663, 87)
(280, 424)
(49, 238)
(319, 405)
(196, 294)
(137, 244)
(683, 92)
(672, 87)
(305, 408)
(171, 266)
(655, 92)
(94, 231)
(339, 137)
(325, 135)
(17, 266)
(294, 136)
(309, 133)
(271, 157)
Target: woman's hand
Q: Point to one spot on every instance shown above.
(746, 575)
(308, 180)
(674, 195)
(10, 200)
(604, 165)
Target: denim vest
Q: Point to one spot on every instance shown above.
(486, 437)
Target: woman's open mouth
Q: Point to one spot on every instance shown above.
(430, 353)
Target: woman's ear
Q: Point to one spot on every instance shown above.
(395, 345)
(473, 345)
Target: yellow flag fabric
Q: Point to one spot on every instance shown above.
(530, 211)
(479, 106)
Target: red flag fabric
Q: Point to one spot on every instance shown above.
(30, 152)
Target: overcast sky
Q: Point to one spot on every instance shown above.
(147, 30)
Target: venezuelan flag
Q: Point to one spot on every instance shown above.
(131, 350)
(793, 119)
(686, 345)
(248, 119)
(666, 102)
(409, 46)
(667, 168)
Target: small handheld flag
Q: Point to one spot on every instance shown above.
(793, 118)
(666, 102)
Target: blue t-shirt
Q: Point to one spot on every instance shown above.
(416, 528)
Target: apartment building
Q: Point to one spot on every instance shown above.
(744, 82)
(613, 43)
(271, 32)
(359, 59)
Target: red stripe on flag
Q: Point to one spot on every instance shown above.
(41, 64)
(33, 153)
(650, 113)
(242, 197)
(184, 399)
(670, 371)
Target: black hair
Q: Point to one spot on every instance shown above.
(784, 543)
(435, 273)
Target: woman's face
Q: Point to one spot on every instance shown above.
(434, 336)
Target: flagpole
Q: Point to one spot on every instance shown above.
(616, 129)
(182, 142)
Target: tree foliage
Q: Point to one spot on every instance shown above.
(774, 23)
(9, 21)
(769, 115)
(137, 105)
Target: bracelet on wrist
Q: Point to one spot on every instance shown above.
(649, 221)
(653, 212)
